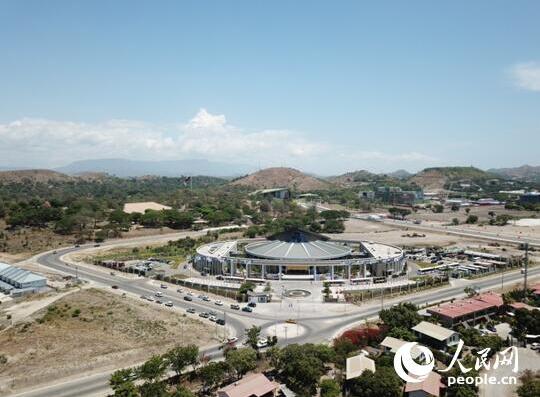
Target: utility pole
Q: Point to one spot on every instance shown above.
(526, 271)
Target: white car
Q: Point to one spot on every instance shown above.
(262, 343)
(535, 346)
(234, 339)
(212, 318)
(169, 304)
(158, 294)
(219, 303)
(149, 298)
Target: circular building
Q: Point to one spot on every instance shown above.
(301, 255)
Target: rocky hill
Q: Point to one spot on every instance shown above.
(281, 177)
(33, 176)
(439, 177)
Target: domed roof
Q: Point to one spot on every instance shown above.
(315, 249)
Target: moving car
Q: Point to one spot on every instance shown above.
(188, 298)
(190, 310)
(234, 339)
(247, 309)
(206, 299)
(234, 306)
(252, 304)
(212, 318)
(262, 343)
(204, 315)
(179, 290)
(163, 286)
(159, 301)
(220, 321)
(218, 303)
(169, 304)
(158, 294)
(114, 286)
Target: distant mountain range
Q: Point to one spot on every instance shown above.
(171, 168)
(525, 172)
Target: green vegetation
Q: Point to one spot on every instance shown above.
(530, 384)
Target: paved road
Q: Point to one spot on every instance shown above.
(318, 328)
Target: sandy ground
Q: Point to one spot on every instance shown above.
(528, 359)
(91, 331)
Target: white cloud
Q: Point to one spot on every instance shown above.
(50, 143)
(527, 75)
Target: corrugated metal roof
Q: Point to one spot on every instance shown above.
(433, 330)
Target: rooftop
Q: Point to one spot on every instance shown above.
(297, 250)
(358, 364)
(431, 385)
(464, 307)
(254, 385)
(394, 344)
(433, 330)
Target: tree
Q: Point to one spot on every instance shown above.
(334, 226)
(182, 392)
(153, 369)
(385, 383)
(455, 221)
(212, 374)
(530, 384)
(438, 208)
(343, 348)
(471, 219)
(253, 334)
(182, 356)
(330, 388)
(241, 361)
(303, 365)
(402, 333)
(404, 315)
(121, 383)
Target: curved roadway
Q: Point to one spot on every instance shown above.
(317, 328)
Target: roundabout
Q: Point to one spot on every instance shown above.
(296, 293)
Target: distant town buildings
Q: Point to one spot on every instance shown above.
(281, 193)
(530, 198)
(16, 281)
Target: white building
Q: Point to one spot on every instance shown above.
(15, 281)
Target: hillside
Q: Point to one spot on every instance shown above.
(352, 178)
(281, 177)
(437, 178)
(525, 172)
(33, 176)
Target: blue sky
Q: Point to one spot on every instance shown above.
(322, 86)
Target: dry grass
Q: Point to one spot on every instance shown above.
(88, 331)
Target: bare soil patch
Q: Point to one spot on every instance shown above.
(90, 331)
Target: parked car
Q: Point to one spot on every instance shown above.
(247, 309)
(163, 286)
(188, 298)
(190, 310)
(219, 303)
(535, 346)
(169, 304)
(252, 304)
(234, 306)
(149, 299)
(204, 315)
(159, 301)
(179, 290)
(206, 299)
(232, 340)
(158, 294)
(212, 318)
(114, 286)
(262, 343)
(220, 321)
